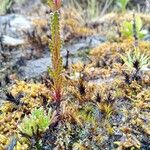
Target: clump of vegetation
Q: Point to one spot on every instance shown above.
(37, 122)
(122, 4)
(136, 60)
(34, 125)
(6, 5)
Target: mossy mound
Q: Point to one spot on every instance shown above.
(93, 113)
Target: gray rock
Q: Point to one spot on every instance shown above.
(10, 41)
(12, 23)
(101, 81)
(30, 7)
(35, 68)
(20, 22)
(84, 43)
(12, 27)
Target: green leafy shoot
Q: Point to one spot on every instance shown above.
(122, 4)
(55, 45)
(136, 60)
(127, 28)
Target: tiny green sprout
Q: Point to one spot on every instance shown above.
(37, 122)
(55, 45)
(136, 60)
(128, 28)
(122, 4)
